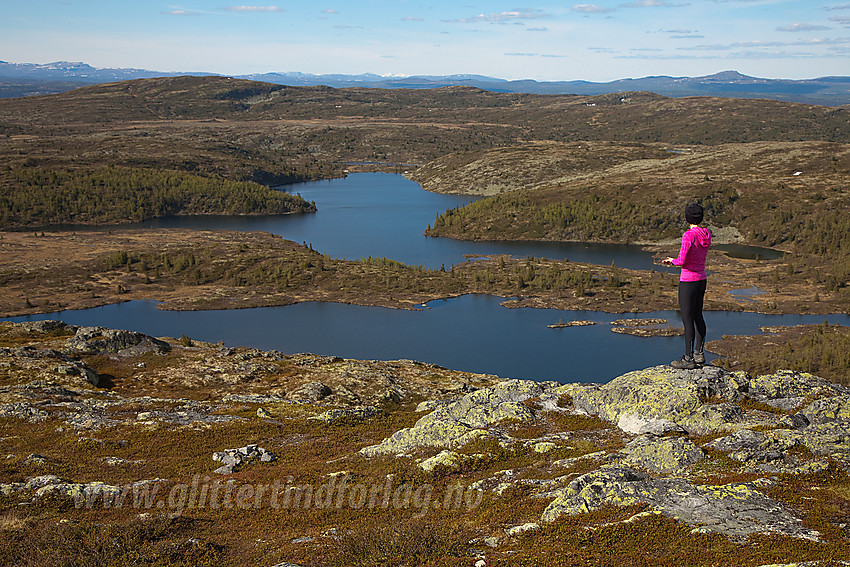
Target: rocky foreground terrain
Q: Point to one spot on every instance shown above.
(119, 448)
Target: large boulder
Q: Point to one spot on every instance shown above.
(312, 391)
(637, 402)
(100, 340)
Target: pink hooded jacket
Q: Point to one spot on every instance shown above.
(695, 244)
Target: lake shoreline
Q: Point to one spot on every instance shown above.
(48, 272)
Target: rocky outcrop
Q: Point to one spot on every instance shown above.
(679, 442)
(100, 340)
(82, 492)
(662, 454)
(32, 361)
(358, 413)
(746, 445)
(638, 401)
(736, 510)
(231, 459)
(312, 391)
(459, 422)
(663, 410)
(445, 458)
(787, 389)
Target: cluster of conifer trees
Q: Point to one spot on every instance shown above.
(34, 196)
(591, 217)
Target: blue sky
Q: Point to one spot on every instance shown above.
(597, 40)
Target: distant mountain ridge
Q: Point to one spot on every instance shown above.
(25, 79)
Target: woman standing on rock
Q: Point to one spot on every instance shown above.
(695, 244)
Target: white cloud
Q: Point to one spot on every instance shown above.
(177, 12)
(330, 11)
(412, 19)
(591, 9)
(549, 55)
(840, 19)
(801, 27)
(651, 4)
(253, 9)
(763, 44)
(501, 17)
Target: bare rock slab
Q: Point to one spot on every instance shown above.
(736, 510)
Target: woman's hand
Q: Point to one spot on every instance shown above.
(667, 261)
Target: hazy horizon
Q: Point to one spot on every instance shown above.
(602, 41)
(395, 75)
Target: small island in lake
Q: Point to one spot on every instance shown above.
(578, 323)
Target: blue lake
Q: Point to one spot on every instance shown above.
(385, 215)
(471, 333)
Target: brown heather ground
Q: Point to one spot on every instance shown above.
(52, 531)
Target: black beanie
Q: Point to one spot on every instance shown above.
(693, 214)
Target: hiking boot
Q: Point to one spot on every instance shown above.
(699, 357)
(684, 363)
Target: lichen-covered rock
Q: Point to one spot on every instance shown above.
(438, 434)
(23, 410)
(521, 529)
(447, 459)
(254, 398)
(828, 410)
(184, 417)
(46, 326)
(31, 362)
(787, 389)
(313, 391)
(81, 492)
(359, 413)
(544, 447)
(463, 420)
(490, 405)
(827, 439)
(638, 399)
(746, 445)
(736, 509)
(662, 454)
(80, 370)
(100, 340)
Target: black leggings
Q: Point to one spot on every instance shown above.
(691, 295)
